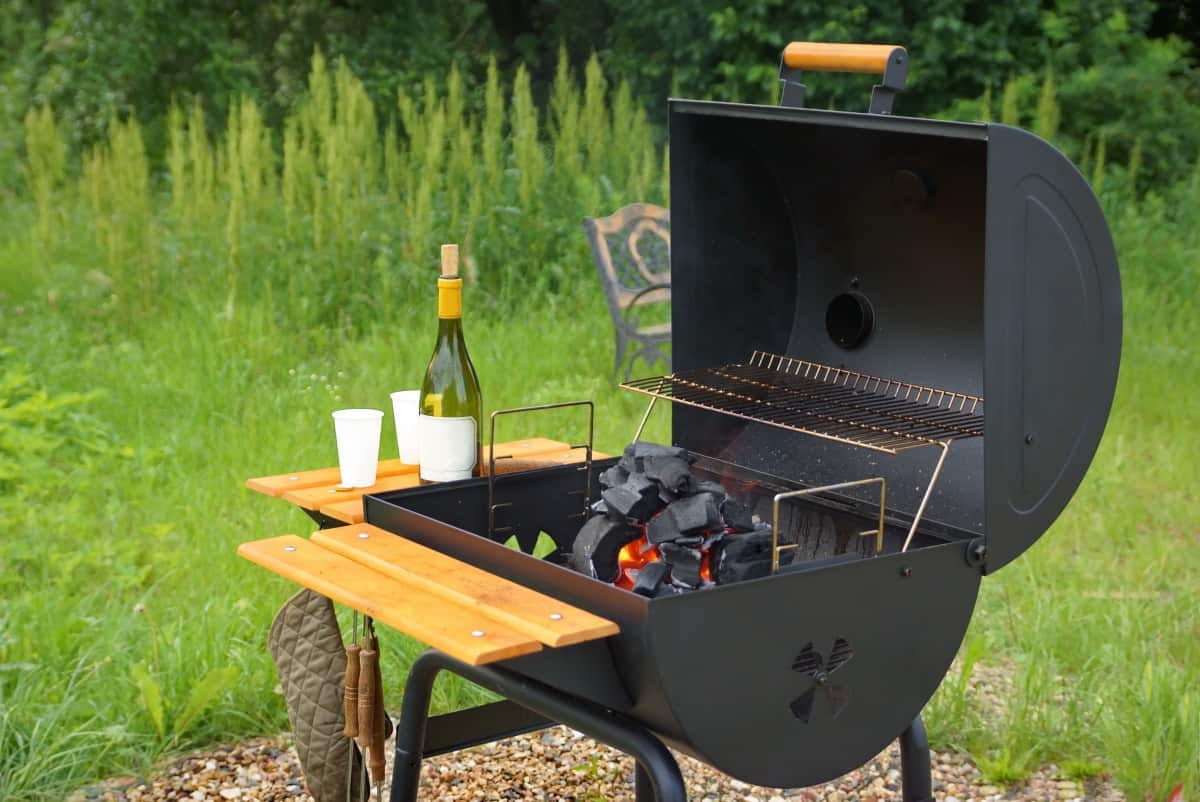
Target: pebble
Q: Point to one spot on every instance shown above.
(562, 765)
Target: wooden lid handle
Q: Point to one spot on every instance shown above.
(835, 57)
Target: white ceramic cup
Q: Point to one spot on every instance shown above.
(405, 407)
(358, 432)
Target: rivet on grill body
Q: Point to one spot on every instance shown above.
(1028, 439)
(906, 571)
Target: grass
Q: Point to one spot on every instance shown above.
(167, 335)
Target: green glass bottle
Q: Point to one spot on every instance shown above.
(451, 407)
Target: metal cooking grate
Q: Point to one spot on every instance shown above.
(837, 404)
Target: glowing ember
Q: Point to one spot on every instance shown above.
(637, 553)
(632, 557)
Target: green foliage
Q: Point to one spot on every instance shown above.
(1048, 115)
(1115, 63)
(1148, 101)
(151, 698)
(365, 211)
(46, 157)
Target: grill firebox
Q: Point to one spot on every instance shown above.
(966, 261)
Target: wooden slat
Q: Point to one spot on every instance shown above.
(286, 482)
(398, 604)
(551, 621)
(350, 510)
(300, 480)
(313, 497)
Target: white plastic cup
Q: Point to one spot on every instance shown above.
(358, 432)
(405, 407)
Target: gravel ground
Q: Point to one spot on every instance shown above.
(561, 764)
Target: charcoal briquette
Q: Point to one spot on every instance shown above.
(636, 500)
(639, 449)
(684, 562)
(672, 473)
(745, 556)
(709, 486)
(662, 528)
(650, 578)
(614, 476)
(729, 572)
(737, 516)
(597, 545)
(697, 513)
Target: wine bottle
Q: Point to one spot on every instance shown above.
(451, 407)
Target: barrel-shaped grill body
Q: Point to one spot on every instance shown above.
(968, 257)
(785, 681)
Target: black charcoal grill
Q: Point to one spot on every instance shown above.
(872, 315)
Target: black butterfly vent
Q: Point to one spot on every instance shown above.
(820, 673)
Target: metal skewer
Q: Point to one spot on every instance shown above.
(377, 762)
(367, 657)
(350, 704)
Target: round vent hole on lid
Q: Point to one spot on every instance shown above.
(849, 319)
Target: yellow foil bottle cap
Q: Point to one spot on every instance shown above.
(449, 284)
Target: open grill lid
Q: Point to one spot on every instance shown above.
(968, 257)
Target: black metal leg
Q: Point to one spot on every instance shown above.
(657, 779)
(643, 791)
(914, 763)
(410, 731)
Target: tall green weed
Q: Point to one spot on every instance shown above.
(341, 214)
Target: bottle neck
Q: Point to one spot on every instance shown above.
(449, 299)
(450, 328)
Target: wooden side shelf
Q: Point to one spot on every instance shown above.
(282, 483)
(527, 611)
(464, 611)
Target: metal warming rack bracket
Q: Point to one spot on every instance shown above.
(846, 406)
